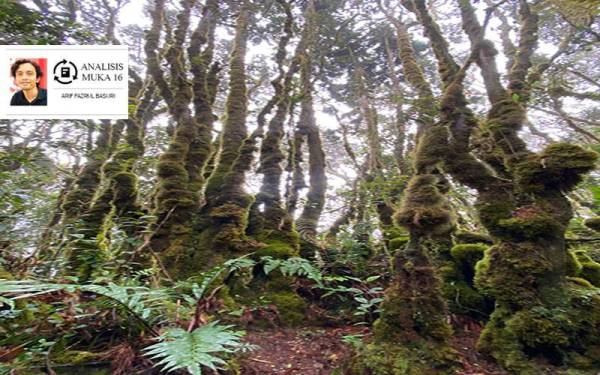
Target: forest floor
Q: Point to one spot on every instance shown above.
(318, 351)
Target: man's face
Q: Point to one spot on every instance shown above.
(26, 77)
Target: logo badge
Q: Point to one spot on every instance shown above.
(65, 72)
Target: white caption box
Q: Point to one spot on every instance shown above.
(82, 82)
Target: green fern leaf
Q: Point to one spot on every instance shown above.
(179, 349)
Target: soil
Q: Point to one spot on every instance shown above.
(307, 351)
(318, 351)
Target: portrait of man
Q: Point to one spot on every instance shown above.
(27, 75)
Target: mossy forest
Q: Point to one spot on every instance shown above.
(310, 187)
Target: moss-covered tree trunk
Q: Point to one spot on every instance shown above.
(307, 223)
(521, 203)
(78, 198)
(116, 204)
(225, 213)
(181, 168)
(268, 213)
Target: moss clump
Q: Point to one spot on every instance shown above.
(559, 166)
(398, 242)
(450, 271)
(75, 357)
(565, 333)
(541, 327)
(424, 209)
(421, 358)
(393, 232)
(290, 306)
(593, 223)
(503, 344)
(277, 249)
(579, 281)
(590, 270)
(529, 228)
(466, 237)
(491, 211)
(509, 273)
(411, 314)
(468, 255)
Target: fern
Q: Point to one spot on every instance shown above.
(294, 266)
(141, 302)
(179, 349)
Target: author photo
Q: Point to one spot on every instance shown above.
(28, 76)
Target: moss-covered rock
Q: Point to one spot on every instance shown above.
(593, 223)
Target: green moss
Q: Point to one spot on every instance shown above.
(394, 232)
(492, 211)
(565, 333)
(558, 167)
(593, 223)
(4, 274)
(468, 254)
(529, 227)
(424, 209)
(420, 358)
(503, 344)
(450, 271)
(591, 272)
(277, 249)
(509, 273)
(411, 314)
(541, 328)
(398, 242)
(466, 237)
(572, 267)
(75, 357)
(579, 281)
(291, 307)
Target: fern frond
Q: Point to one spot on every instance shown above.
(179, 349)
